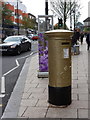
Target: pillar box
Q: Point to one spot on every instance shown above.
(59, 53)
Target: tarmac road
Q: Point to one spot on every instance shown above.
(8, 63)
(11, 68)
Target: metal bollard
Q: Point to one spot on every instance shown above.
(59, 53)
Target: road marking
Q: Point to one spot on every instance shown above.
(25, 56)
(3, 78)
(2, 95)
(3, 85)
(17, 64)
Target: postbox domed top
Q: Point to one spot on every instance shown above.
(59, 33)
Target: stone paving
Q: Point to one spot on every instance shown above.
(34, 101)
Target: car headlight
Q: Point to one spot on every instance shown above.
(13, 46)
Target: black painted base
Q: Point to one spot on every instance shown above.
(60, 96)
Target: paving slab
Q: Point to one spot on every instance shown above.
(35, 112)
(83, 113)
(61, 113)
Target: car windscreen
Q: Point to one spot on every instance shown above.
(13, 39)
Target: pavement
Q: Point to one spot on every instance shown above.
(29, 98)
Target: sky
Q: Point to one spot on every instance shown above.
(37, 7)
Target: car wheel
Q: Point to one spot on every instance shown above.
(18, 51)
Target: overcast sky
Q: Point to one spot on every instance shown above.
(37, 7)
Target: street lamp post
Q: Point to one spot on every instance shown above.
(17, 18)
(46, 7)
(74, 17)
(46, 13)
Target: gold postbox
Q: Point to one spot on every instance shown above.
(59, 53)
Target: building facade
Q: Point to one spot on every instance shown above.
(87, 20)
(19, 11)
(18, 8)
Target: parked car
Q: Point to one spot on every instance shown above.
(30, 36)
(35, 37)
(15, 44)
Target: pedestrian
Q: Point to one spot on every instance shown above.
(77, 35)
(88, 40)
(74, 42)
(81, 37)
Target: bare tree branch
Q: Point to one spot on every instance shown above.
(65, 8)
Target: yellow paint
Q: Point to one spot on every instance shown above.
(59, 53)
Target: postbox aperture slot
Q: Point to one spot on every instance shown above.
(65, 43)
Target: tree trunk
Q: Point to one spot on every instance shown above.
(70, 17)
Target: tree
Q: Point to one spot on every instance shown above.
(76, 14)
(6, 20)
(28, 23)
(6, 15)
(65, 9)
(86, 29)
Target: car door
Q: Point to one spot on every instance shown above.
(28, 42)
(25, 43)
